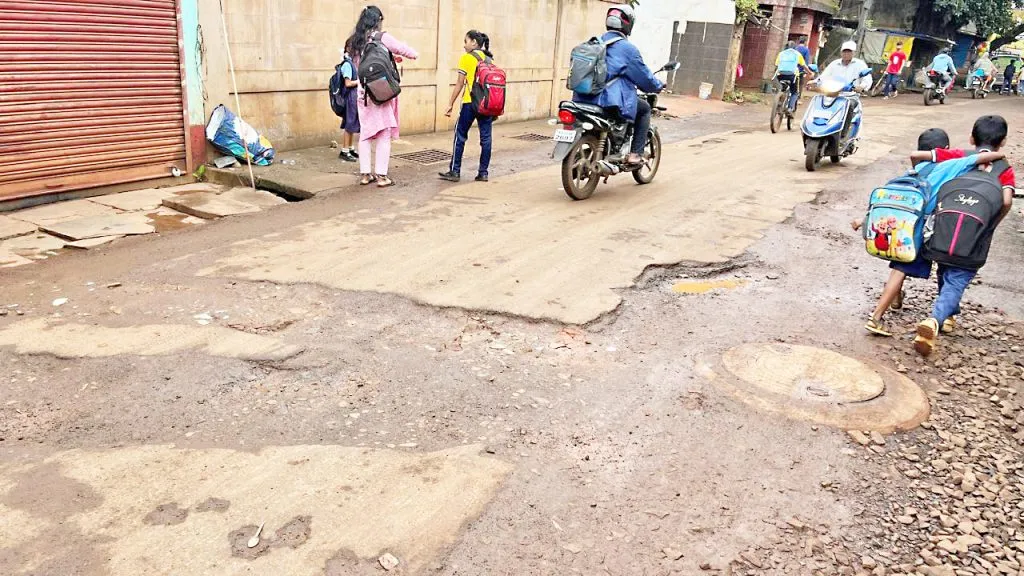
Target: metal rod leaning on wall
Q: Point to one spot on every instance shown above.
(234, 83)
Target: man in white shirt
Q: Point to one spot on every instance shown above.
(848, 69)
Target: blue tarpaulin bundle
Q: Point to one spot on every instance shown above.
(229, 134)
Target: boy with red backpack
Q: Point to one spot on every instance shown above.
(969, 210)
(481, 85)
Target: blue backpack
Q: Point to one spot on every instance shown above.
(895, 222)
(337, 89)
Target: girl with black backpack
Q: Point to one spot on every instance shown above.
(378, 119)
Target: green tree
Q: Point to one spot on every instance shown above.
(943, 18)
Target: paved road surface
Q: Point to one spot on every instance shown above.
(406, 373)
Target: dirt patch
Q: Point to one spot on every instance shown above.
(346, 563)
(295, 533)
(45, 491)
(239, 540)
(213, 505)
(166, 515)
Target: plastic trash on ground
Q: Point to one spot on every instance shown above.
(229, 134)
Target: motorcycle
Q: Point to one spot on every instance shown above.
(829, 128)
(977, 87)
(592, 144)
(934, 90)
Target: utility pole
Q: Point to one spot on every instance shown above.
(862, 24)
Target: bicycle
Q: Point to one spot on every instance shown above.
(784, 105)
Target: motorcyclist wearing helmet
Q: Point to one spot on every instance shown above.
(944, 66)
(626, 73)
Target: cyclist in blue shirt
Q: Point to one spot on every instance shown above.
(789, 64)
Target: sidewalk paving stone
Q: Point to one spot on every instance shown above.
(260, 198)
(10, 228)
(31, 244)
(90, 243)
(209, 206)
(135, 200)
(127, 224)
(62, 212)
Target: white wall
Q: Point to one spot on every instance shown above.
(655, 20)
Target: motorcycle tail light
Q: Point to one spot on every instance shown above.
(566, 117)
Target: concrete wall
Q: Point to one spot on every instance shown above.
(704, 48)
(285, 52)
(669, 29)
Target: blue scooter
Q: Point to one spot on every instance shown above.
(829, 128)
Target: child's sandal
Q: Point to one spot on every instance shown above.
(384, 182)
(367, 179)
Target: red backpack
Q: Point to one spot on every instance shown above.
(488, 92)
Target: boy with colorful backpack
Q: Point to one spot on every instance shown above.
(897, 215)
(968, 210)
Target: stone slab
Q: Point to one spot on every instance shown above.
(10, 260)
(62, 212)
(90, 243)
(126, 224)
(260, 198)
(194, 188)
(209, 206)
(10, 228)
(31, 244)
(294, 183)
(136, 200)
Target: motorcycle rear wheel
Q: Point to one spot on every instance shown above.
(579, 169)
(652, 160)
(927, 97)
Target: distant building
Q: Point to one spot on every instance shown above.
(780, 22)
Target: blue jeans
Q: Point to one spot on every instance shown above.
(466, 118)
(892, 82)
(953, 282)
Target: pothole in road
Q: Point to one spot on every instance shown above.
(806, 383)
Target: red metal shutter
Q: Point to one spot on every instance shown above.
(90, 94)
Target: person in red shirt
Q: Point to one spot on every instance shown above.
(1007, 177)
(897, 60)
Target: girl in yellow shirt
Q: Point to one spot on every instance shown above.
(478, 48)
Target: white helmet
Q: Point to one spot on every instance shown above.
(621, 18)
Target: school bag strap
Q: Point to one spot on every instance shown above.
(480, 58)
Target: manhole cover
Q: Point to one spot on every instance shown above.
(532, 138)
(822, 386)
(804, 373)
(426, 157)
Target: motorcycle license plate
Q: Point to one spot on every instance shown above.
(567, 136)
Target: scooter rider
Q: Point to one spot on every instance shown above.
(847, 70)
(626, 73)
(944, 66)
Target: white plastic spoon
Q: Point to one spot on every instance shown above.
(255, 540)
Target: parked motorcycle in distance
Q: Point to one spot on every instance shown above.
(829, 129)
(592, 144)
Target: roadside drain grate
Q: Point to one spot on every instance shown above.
(532, 138)
(426, 157)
